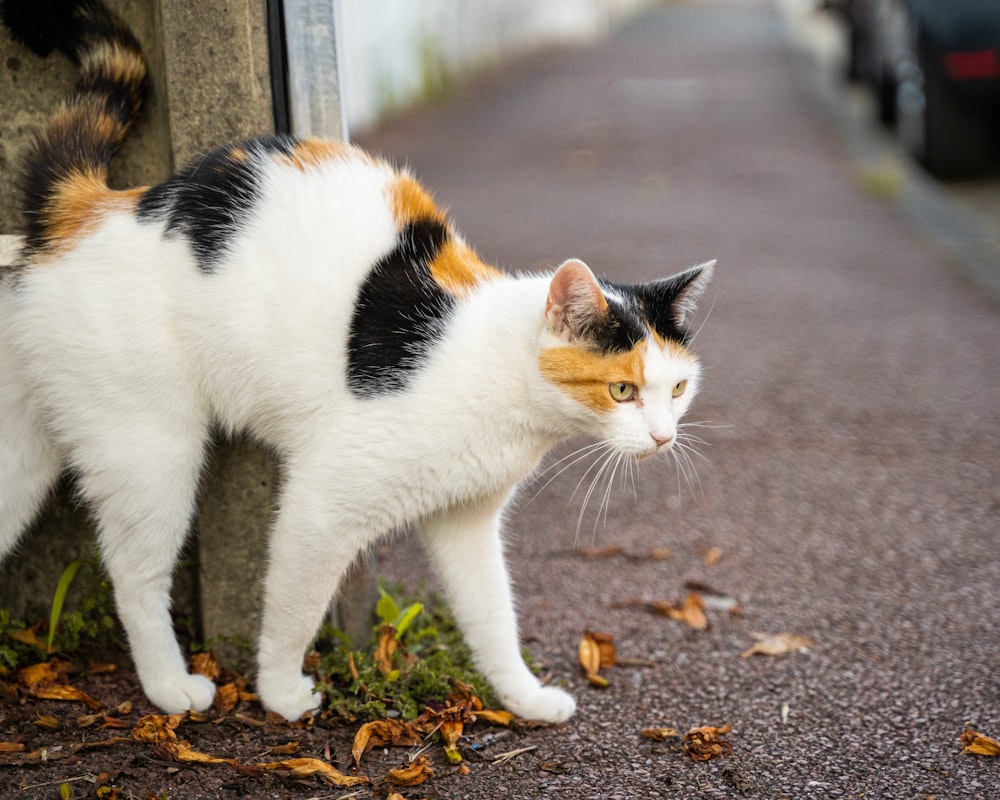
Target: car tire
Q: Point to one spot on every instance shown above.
(933, 126)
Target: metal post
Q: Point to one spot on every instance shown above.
(315, 108)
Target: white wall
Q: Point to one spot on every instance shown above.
(393, 52)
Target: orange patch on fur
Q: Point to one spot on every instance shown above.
(586, 375)
(312, 153)
(115, 61)
(458, 270)
(410, 202)
(79, 203)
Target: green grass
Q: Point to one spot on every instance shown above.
(431, 652)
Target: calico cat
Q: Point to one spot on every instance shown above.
(316, 298)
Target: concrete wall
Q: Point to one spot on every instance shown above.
(397, 52)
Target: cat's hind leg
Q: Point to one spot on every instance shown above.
(467, 552)
(141, 478)
(29, 460)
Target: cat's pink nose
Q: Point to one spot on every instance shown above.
(662, 441)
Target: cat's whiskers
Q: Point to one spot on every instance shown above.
(577, 456)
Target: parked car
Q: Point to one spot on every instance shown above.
(935, 69)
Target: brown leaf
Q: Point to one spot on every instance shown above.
(589, 655)
(47, 721)
(383, 733)
(776, 644)
(413, 774)
(96, 668)
(65, 692)
(596, 650)
(47, 672)
(205, 664)
(394, 796)
(181, 751)
(712, 556)
(707, 742)
(29, 636)
(386, 648)
(660, 734)
(11, 747)
(156, 728)
(979, 744)
(504, 718)
(227, 697)
(659, 554)
(692, 611)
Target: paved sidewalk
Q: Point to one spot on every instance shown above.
(853, 428)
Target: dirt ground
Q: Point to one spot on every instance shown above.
(847, 491)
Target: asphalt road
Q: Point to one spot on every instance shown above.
(852, 450)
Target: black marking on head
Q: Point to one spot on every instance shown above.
(623, 326)
(212, 197)
(399, 313)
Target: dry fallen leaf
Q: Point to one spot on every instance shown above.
(297, 768)
(29, 636)
(596, 651)
(660, 734)
(386, 648)
(156, 728)
(11, 747)
(979, 744)
(497, 717)
(226, 698)
(205, 664)
(384, 733)
(181, 751)
(47, 672)
(712, 556)
(707, 742)
(413, 774)
(65, 692)
(777, 644)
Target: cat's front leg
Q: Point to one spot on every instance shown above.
(467, 552)
(311, 549)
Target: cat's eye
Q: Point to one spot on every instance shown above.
(679, 388)
(622, 392)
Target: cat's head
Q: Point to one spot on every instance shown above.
(618, 355)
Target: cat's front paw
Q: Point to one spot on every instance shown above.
(290, 701)
(183, 693)
(545, 703)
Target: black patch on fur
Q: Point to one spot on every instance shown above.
(212, 197)
(42, 25)
(399, 313)
(623, 327)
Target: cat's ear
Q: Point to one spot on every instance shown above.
(671, 302)
(575, 305)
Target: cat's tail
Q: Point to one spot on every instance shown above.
(66, 170)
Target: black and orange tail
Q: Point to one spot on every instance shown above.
(67, 167)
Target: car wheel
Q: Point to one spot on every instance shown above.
(935, 129)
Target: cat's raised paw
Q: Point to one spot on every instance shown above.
(292, 702)
(185, 693)
(546, 704)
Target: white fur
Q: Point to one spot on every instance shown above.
(118, 357)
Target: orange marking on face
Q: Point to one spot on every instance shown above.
(586, 375)
(458, 270)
